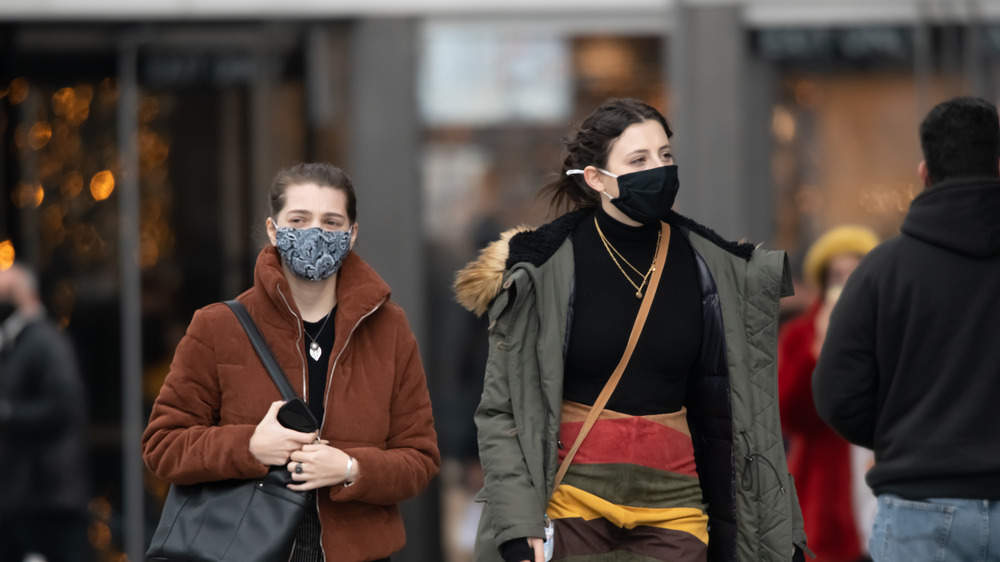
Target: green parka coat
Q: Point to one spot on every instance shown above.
(525, 281)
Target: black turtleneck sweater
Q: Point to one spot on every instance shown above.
(604, 311)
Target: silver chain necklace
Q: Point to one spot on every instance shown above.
(315, 351)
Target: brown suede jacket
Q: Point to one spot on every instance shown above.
(377, 406)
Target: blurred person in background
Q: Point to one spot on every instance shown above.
(43, 464)
(911, 365)
(345, 347)
(683, 464)
(818, 458)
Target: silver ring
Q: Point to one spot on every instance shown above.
(298, 468)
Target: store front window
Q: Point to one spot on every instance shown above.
(844, 125)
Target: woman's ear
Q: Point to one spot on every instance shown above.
(594, 178)
(272, 231)
(354, 234)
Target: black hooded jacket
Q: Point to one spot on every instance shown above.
(911, 362)
(42, 423)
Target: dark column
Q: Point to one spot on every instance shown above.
(384, 165)
(128, 196)
(722, 107)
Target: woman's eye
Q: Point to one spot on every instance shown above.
(639, 161)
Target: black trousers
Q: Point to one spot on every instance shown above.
(58, 535)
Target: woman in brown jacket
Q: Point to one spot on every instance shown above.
(345, 348)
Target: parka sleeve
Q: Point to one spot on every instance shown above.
(183, 443)
(510, 493)
(410, 458)
(845, 383)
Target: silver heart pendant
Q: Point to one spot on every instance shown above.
(315, 353)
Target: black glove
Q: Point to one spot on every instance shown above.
(516, 550)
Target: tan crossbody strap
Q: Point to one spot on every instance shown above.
(609, 387)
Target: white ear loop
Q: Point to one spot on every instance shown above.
(603, 171)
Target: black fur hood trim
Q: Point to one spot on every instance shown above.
(537, 246)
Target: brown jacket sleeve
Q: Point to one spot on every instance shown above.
(183, 443)
(410, 458)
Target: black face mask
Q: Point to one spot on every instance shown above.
(6, 310)
(647, 196)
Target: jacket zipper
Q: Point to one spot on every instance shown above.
(329, 375)
(305, 396)
(298, 348)
(326, 396)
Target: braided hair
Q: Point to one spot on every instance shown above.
(589, 145)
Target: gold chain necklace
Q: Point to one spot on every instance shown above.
(612, 251)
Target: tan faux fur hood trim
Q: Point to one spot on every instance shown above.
(479, 281)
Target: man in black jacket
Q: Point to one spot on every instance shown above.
(43, 487)
(911, 363)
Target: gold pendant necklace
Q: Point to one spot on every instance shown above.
(612, 251)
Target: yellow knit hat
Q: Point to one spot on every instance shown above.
(842, 239)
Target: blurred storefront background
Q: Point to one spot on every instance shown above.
(151, 131)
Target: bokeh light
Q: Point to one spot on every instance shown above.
(99, 535)
(18, 90)
(6, 254)
(63, 100)
(79, 110)
(27, 194)
(71, 185)
(39, 135)
(783, 124)
(101, 185)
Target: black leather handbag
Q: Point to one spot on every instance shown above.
(238, 520)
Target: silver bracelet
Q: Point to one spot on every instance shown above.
(350, 465)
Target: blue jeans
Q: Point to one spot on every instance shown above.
(935, 530)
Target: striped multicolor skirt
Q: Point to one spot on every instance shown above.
(631, 491)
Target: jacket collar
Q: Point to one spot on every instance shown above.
(360, 290)
(537, 246)
(480, 281)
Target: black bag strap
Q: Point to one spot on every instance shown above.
(260, 346)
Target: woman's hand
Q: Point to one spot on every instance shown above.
(272, 443)
(538, 545)
(322, 465)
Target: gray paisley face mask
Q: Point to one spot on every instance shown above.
(313, 254)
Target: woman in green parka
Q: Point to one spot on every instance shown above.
(685, 460)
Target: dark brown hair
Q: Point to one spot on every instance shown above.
(319, 173)
(590, 144)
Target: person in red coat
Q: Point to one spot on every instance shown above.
(818, 458)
